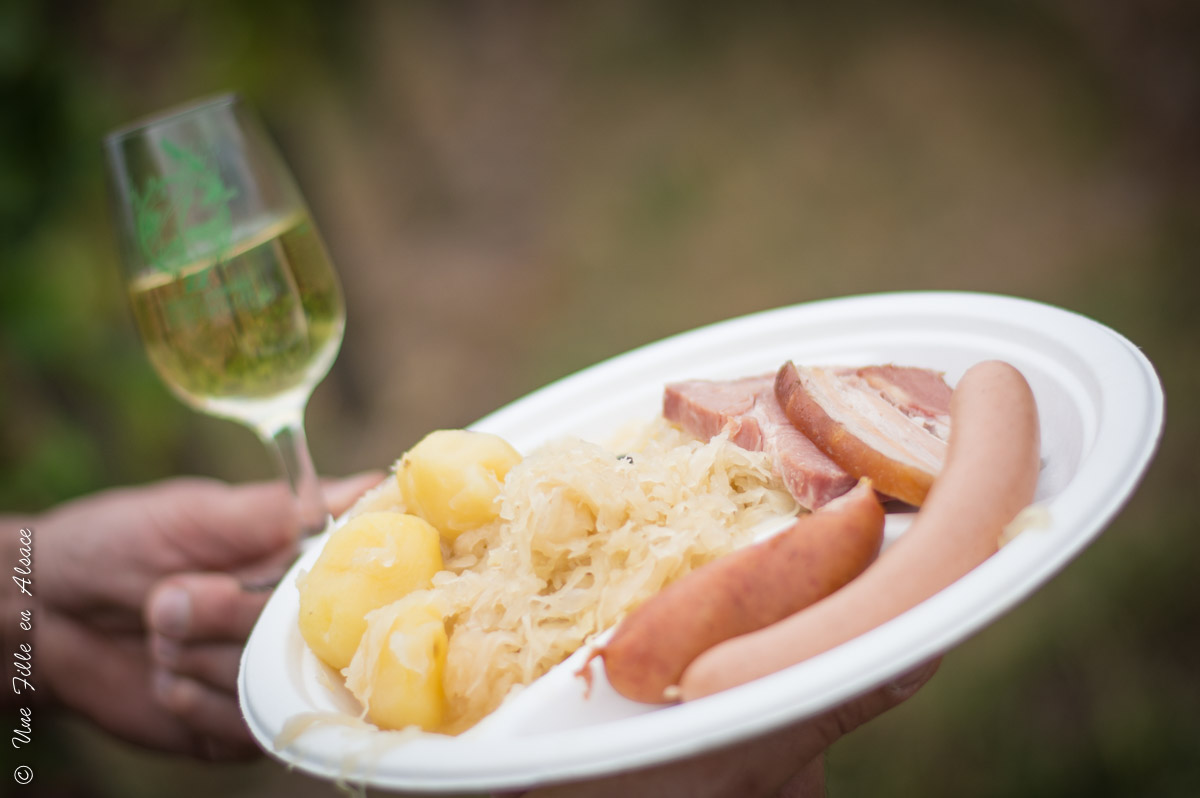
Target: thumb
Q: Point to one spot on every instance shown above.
(844, 719)
(341, 493)
(238, 524)
(824, 730)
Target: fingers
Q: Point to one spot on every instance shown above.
(341, 493)
(264, 573)
(107, 679)
(846, 718)
(103, 677)
(752, 768)
(197, 622)
(203, 607)
(214, 664)
(786, 763)
(821, 732)
(808, 782)
(197, 625)
(212, 716)
(217, 526)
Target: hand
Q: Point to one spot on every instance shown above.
(788, 763)
(144, 610)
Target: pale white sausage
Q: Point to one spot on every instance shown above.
(990, 473)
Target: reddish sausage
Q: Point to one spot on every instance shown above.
(990, 474)
(742, 591)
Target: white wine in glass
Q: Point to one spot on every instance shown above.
(234, 294)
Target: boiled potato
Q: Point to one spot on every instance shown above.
(452, 477)
(375, 559)
(398, 669)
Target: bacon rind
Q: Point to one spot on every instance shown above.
(807, 405)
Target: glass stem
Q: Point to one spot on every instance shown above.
(291, 447)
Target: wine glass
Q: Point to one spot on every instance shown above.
(234, 294)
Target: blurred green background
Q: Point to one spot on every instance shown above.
(513, 191)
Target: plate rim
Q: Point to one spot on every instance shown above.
(652, 749)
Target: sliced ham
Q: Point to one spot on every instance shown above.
(882, 422)
(749, 409)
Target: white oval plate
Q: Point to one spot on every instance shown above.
(1101, 409)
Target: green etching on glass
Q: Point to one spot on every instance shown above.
(183, 215)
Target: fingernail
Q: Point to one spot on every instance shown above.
(166, 651)
(171, 613)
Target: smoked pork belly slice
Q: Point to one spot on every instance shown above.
(922, 394)
(867, 430)
(749, 410)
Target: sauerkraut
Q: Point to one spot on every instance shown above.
(585, 533)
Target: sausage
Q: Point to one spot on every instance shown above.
(990, 474)
(740, 592)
